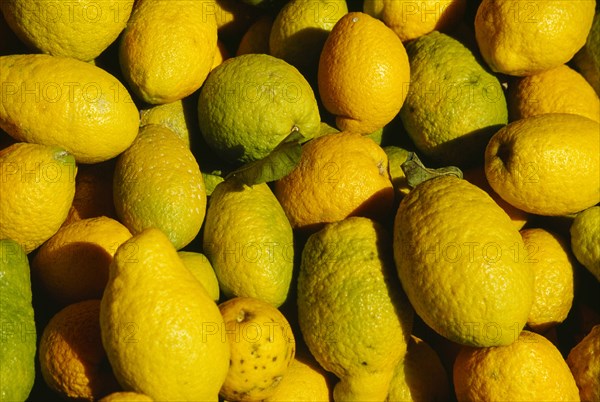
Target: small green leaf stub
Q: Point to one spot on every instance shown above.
(416, 173)
(280, 162)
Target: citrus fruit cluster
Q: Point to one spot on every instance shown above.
(299, 200)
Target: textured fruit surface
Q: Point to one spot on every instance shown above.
(526, 37)
(339, 175)
(454, 104)
(250, 103)
(249, 242)
(161, 330)
(262, 348)
(363, 73)
(18, 346)
(587, 60)
(352, 312)
(37, 187)
(72, 358)
(200, 267)
(585, 239)
(125, 396)
(584, 362)
(69, 103)
(81, 29)
(546, 164)
(72, 265)
(453, 242)
(529, 369)
(168, 48)
(305, 381)
(157, 183)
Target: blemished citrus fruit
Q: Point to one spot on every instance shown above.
(18, 346)
(352, 312)
(550, 257)
(476, 176)
(304, 381)
(93, 192)
(72, 265)
(174, 116)
(200, 267)
(167, 49)
(587, 60)
(363, 73)
(339, 175)
(61, 101)
(584, 362)
(161, 330)
(300, 29)
(250, 103)
(410, 19)
(157, 183)
(558, 90)
(125, 396)
(72, 358)
(526, 37)
(457, 256)
(397, 156)
(453, 105)
(585, 239)
(256, 38)
(522, 166)
(81, 30)
(420, 376)
(529, 369)
(37, 187)
(249, 242)
(262, 348)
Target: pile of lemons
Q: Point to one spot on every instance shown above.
(303, 200)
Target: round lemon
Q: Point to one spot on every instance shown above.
(304, 381)
(585, 239)
(584, 362)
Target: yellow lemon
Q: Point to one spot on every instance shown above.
(584, 362)
(525, 37)
(66, 102)
(124, 396)
(161, 330)
(37, 187)
(529, 369)
(585, 239)
(363, 73)
(200, 267)
(262, 348)
(411, 19)
(352, 312)
(80, 29)
(157, 183)
(174, 116)
(72, 265)
(522, 163)
(168, 48)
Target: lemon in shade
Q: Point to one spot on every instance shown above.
(363, 73)
(37, 187)
(587, 60)
(410, 19)
(353, 314)
(251, 103)
(558, 90)
(527, 37)
(157, 183)
(529, 369)
(457, 256)
(72, 265)
(168, 48)
(256, 37)
(262, 348)
(82, 29)
(71, 104)
(175, 116)
(339, 175)
(162, 332)
(249, 242)
(553, 265)
(546, 164)
(584, 362)
(72, 359)
(585, 239)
